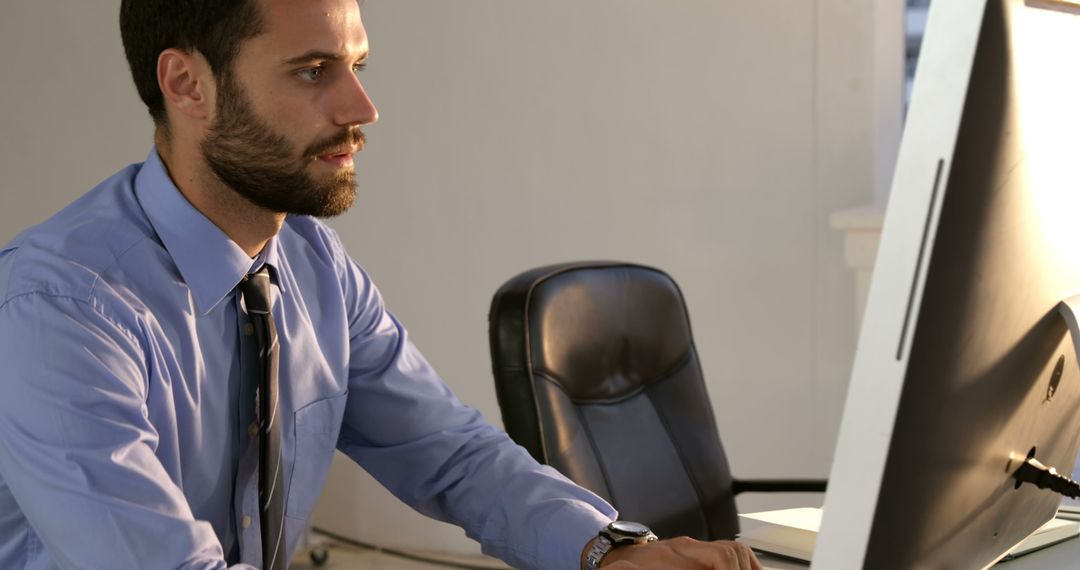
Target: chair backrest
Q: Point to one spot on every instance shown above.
(597, 375)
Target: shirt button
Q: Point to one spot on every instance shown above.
(253, 429)
(245, 522)
(249, 329)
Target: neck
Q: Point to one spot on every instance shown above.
(248, 225)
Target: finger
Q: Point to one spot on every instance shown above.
(743, 559)
(747, 559)
(622, 565)
(734, 556)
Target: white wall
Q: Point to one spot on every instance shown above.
(69, 114)
(712, 139)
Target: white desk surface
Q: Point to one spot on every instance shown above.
(1061, 556)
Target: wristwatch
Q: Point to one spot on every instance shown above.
(618, 533)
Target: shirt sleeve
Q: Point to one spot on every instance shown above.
(404, 426)
(77, 449)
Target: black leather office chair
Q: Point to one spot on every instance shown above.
(597, 375)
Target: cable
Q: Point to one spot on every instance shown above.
(401, 553)
(1043, 477)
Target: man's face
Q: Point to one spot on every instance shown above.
(288, 117)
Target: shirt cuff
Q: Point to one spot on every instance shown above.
(571, 531)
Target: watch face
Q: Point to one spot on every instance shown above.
(630, 528)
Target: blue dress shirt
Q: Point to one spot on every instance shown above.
(126, 397)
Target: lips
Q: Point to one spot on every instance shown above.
(338, 160)
(342, 153)
(345, 144)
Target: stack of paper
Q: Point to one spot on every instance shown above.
(788, 532)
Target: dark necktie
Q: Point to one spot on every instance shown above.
(256, 290)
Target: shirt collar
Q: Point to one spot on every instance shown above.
(269, 257)
(210, 263)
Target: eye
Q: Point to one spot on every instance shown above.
(358, 67)
(311, 74)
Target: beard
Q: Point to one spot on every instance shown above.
(256, 162)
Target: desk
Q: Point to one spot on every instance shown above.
(1058, 557)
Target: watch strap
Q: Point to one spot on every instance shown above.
(600, 547)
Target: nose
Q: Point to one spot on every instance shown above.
(355, 107)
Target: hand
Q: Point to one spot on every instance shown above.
(682, 553)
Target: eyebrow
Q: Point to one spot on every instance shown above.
(318, 55)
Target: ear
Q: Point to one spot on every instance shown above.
(186, 82)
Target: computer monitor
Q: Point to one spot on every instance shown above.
(964, 366)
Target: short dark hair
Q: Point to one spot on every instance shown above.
(214, 28)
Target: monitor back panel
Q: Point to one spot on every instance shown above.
(980, 340)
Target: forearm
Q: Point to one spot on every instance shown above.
(526, 514)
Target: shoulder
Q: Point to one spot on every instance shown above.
(67, 255)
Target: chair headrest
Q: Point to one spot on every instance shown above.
(605, 331)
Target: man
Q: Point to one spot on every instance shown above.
(149, 418)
